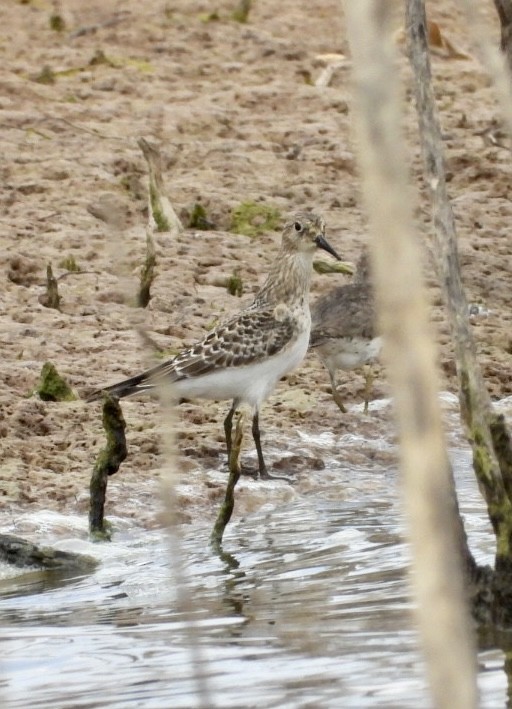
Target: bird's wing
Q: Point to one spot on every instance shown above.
(347, 313)
(245, 339)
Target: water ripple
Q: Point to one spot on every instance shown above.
(309, 607)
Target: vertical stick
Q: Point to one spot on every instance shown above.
(443, 618)
(108, 463)
(227, 507)
(504, 9)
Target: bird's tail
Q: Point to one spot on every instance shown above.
(140, 383)
(129, 387)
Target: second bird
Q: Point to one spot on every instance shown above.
(343, 328)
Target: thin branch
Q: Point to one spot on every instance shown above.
(434, 527)
(475, 403)
(162, 215)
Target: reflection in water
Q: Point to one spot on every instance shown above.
(306, 606)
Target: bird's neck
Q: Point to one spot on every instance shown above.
(288, 281)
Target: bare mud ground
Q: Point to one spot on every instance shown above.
(236, 111)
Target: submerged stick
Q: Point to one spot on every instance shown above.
(322, 267)
(161, 212)
(433, 524)
(107, 463)
(227, 506)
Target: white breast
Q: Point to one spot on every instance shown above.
(250, 384)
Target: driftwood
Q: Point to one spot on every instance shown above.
(486, 431)
(117, 18)
(433, 522)
(147, 274)
(22, 553)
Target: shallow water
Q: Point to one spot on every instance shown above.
(311, 609)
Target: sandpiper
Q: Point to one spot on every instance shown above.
(343, 328)
(244, 357)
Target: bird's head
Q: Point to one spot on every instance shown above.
(305, 233)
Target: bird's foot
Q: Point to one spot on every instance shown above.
(265, 475)
(338, 401)
(249, 472)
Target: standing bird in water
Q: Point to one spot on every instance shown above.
(244, 357)
(343, 328)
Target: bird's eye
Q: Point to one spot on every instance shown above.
(297, 226)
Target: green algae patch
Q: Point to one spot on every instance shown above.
(45, 76)
(209, 17)
(52, 387)
(161, 220)
(235, 285)
(69, 264)
(57, 23)
(199, 219)
(253, 219)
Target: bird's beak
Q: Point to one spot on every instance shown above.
(322, 243)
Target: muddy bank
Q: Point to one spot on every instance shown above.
(239, 121)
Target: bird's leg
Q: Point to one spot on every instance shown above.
(263, 472)
(228, 426)
(335, 394)
(257, 442)
(228, 432)
(368, 385)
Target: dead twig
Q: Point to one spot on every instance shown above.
(91, 29)
(76, 273)
(433, 523)
(161, 213)
(52, 386)
(83, 129)
(241, 11)
(147, 275)
(51, 298)
(149, 342)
